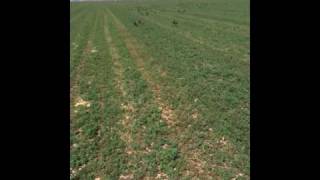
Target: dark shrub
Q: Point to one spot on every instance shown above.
(174, 22)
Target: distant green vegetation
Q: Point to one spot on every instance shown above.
(160, 90)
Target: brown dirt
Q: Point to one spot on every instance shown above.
(126, 177)
(81, 102)
(74, 89)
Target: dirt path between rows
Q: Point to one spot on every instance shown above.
(74, 87)
(75, 99)
(127, 106)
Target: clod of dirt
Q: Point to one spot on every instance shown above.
(127, 107)
(162, 176)
(126, 177)
(81, 102)
(148, 150)
(238, 175)
(223, 141)
(163, 74)
(81, 167)
(129, 152)
(94, 51)
(73, 172)
(75, 145)
(165, 146)
(194, 115)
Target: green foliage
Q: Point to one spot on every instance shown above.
(200, 59)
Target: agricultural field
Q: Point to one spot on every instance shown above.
(160, 89)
